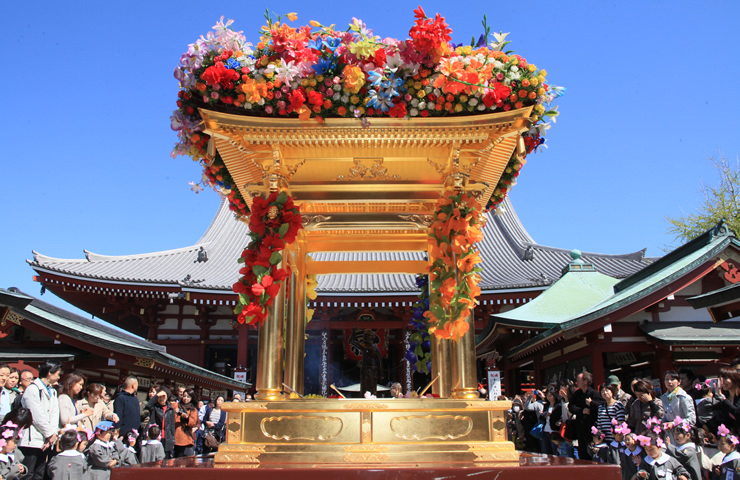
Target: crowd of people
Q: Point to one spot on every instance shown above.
(689, 432)
(58, 426)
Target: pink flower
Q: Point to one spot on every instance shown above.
(623, 429)
(614, 421)
(734, 440)
(3, 442)
(677, 420)
(214, 95)
(723, 431)
(644, 441)
(594, 431)
(268, 109)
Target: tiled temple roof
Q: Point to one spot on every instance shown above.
(511, 260)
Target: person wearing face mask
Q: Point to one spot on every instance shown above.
(515, 426)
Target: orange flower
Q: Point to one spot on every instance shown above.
(447, 290)
(468, 262)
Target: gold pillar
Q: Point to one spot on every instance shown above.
(295, 331)
(462, 352)
(441, 367)
(270, 351)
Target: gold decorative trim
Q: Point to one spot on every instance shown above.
(425, 220)
(367, 427)
(366, 448)
(234, 431)
(238, 458)
(365, 406)
(308, 220)
(301, 427)
(144, 362)
(12, 317)
(418, 427)
(490, 447)
(346, 207)
(366, 458)
(360, 172)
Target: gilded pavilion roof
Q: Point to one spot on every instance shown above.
(511, 260)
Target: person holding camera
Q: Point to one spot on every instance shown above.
(186, 423)
(162, 413)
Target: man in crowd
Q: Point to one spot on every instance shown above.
(622, 396)
(126, 406)
(585, 406)
(41, 399)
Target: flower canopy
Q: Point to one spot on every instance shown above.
(316, 71)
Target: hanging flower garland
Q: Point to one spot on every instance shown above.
(274, 222)
(420, 350)
(453, 274)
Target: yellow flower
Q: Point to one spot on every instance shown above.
(540, 108)
(319, 78)
(314, 23)
(531, 67)
(463, 98)
(458, 108)
(363, 48)
(312, 82)
(467, 50)
(309, 314)
(312, 294)
(264, 61)
(292, 16)
(354, 79)
(354, 99)
(543, 72)
(534, 81)
(421, 94)
(304, 82)
(540, 91)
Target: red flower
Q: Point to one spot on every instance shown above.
(398, 110)
(218, 73)
(296, 98)
(315, 98)
(379, 58)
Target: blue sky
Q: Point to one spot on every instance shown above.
(88, 91)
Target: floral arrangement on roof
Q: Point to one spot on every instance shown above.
(316, 71)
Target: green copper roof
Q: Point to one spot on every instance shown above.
(576, 292)
(673, 333)
(652, 278)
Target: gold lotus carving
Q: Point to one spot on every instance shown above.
(376, 171)
(431, 427)
(301, 427)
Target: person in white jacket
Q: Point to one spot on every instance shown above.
(38, 441)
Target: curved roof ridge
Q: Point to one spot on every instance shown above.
(96, 257)
(510, 219)
(224, 217)
(638, 255)
(41, 258)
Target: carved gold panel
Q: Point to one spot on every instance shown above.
(431, 427)
(313, 428)
(366, 458)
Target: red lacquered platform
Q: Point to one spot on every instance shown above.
(543, 466)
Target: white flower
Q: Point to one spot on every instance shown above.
(514, 68)
(414, 112)
(427, 89)
(498, 64)
(286, 72)
(345, 98)
(336, 96)
(473, 101)
(482, 106)
(248, 106)
(414, 102)
(422, 105)
(337, 87)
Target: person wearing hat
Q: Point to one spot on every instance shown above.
(102, 453)
(622, 396)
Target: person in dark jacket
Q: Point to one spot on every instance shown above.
(214, 420)
(162, 414)
(552, 415)
(126, 407)
(727, 409)
(584, 405)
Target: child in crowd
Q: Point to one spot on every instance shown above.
(619, 430)
(101, 454)
(731, 462)
(685, 450)
(598, 449)
(11, 467)
(631, 456)
(705, 404)
(70, 463)
(152, 451)
(658, 465)
(125, 446)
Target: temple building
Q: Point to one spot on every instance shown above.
(182, 299)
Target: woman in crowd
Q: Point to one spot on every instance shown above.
(11, 384)
(645, 407)
(727, 409)
(72, 385)
(552, 416)
(161, 409)
(676, 402)
(611, 410)
(92, 400)
(215, 419)
(186, 422)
